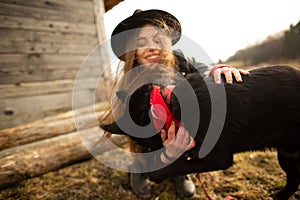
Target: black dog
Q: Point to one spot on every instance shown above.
(261, 112)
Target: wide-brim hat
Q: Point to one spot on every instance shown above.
(123, 30)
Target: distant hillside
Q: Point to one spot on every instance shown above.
(274, 48)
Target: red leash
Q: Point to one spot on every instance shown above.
(206, 193)
(202, 185)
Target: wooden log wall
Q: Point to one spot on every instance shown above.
(42, 46)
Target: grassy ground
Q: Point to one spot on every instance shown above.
(253, 176)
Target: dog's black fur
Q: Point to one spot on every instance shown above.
(262, 112)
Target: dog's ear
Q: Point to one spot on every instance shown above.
(112, 128)
(123, 94)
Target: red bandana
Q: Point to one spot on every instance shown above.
(161, 114)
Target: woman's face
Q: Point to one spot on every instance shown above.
(149, 45)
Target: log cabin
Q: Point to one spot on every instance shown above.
(44, 43)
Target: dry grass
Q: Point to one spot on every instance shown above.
(254, 176)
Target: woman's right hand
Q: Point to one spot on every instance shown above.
(176, 143)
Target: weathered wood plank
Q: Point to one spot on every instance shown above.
(64, 123)
(40, 103)
(28, 41)
(74, 15)
(62, 5)
(23, 107)
(98, 107)
(12, 62)
(46, 25)
(29, 117)
(44, 48)
(45, 87)
(29, 75)
(13, 36)
(36, 67)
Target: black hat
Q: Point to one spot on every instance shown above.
(138, 20)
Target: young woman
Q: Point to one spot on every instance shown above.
(147, 37)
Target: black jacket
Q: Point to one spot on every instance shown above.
(189, 65)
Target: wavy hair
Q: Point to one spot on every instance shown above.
(167, 59)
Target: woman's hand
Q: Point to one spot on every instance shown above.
(228, 71)
(176, 143)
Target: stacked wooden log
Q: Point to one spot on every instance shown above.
(48, 144)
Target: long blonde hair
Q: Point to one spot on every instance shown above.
(168, 59)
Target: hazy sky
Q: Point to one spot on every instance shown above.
(220, 27)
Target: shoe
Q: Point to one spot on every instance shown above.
(184, 186)
(140, 185)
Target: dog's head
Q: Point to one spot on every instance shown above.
(145, 112)
(142, 118)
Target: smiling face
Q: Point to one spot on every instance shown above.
(150, 43)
